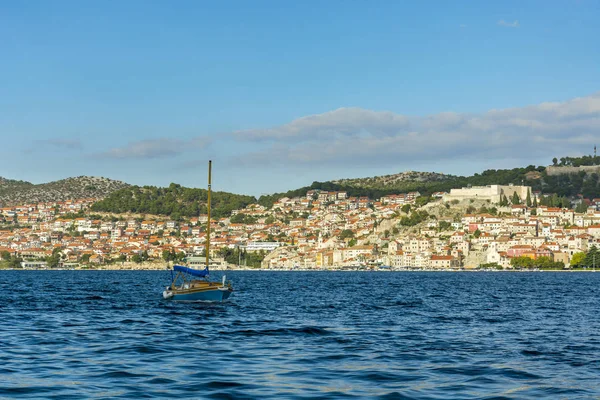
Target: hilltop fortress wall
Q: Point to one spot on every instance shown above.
(493, 193)
(551, 170)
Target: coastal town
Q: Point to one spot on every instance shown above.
(466, 228)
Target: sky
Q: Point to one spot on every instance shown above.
(283, 93)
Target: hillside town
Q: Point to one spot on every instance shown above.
(462, 229)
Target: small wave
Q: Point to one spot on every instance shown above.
(147, 350)
(382, 377)
(222, 385)
(409, 304)
(23, 390)
(517, 374)
(132, 321)
(466, 371)
(492, 320)
(119, 374)
(68, 325)
(309, 330)
(160, 381)
(443, 318)
(532, 353)
(395, 396)
(563, 392)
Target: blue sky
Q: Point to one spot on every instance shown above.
(280, 94)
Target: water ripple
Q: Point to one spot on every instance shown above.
(108, 334)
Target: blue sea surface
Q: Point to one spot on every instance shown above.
(421, 335)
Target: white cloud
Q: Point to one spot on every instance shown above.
(514, 24)
(155, 148)
(340, 123)
(356, 136)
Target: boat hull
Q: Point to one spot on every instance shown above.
(204, 295)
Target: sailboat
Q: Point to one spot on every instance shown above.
(191, 284)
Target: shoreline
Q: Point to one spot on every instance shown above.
(305, 270)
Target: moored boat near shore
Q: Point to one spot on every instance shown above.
(185, 286)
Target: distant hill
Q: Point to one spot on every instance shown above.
(425, 183)
(569, 178)
(175, 201)
(10, 184)
(390, 180)
(20, 192)
(572, 177)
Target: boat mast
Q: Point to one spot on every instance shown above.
(208, 224)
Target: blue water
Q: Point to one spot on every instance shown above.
(108, 334)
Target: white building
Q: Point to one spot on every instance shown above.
(493, 193)
(264, 246)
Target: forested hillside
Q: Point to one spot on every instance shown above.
(175, 201)
(586, 184)
(375, 188)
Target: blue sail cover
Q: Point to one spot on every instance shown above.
(194, 272)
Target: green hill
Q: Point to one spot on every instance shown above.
(175, 201)
(21, 192)
(568, 184)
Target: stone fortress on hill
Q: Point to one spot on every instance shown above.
(493, 193)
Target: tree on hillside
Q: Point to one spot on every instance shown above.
(444, 225)
(592, 258)
(414, 219)
(528, 199)
(515, 199)
(346, 234)
(422, 200)
(168, 255)
(521, 262)
(577, 260)
(581, 207)
(555, 161)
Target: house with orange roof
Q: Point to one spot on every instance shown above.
(443, 262)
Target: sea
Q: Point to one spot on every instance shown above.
(302, 335)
